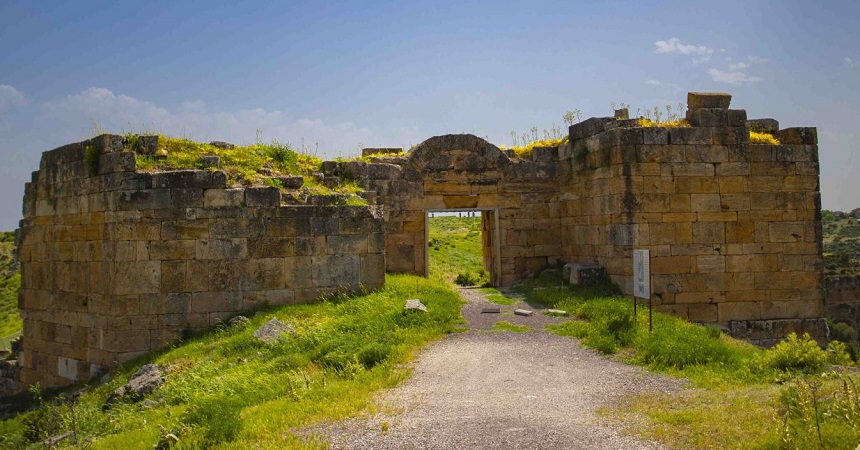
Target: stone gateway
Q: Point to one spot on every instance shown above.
(118, 263)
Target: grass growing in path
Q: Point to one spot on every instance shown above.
(504, 325)
(746, 397)
(227, 390)
(495, 296)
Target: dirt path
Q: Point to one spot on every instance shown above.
(489, 389)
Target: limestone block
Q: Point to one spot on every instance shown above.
(206, 302)
(763, 125)
(202, 179)
(710, 263)
(702, 313)
(708, 232)
(786, 232)
(732, 185)
(336, 270)
(135, 277)
(342, 244)
(723, 216)
(186, 198)
(740, 232)
(708, 117)
(697, 185)
(218, 198)
(306, 246)
(263, 274)
(383, 171)
(705, 203)
(688, 170)
(298, 272)
(143, 199)
(697, 100)
(798, 135)
(268, 196)
(184, 229)
(702, 298)
(116, 162)
(792, 310)
(172, 250)
(372, 273)
(221, 248)
(771, 280)
(691, 136)
(671, 264)
(588, 127)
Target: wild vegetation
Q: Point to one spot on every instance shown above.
(225, 389)
(841, 239)
(455, 250)
(10, 280)
(745, 397)
(259, 164)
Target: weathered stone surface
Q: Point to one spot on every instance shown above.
(698, 100)
(523, 312)
(273, 330)
(144, 382)
(222, 144)
(213, 161)
(415, 305)
(238, 323)
(763, 125)
(147, 145)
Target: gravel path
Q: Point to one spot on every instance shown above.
(489, 389)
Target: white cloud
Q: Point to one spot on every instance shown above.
(10, 96)
(653, 82)
(674, 45)
(757, 59)
(850, 62)
(75, 115)
(738, 66)
(732, 77)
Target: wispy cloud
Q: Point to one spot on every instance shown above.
(850, 62)
(738, 66)
(196, 120)
(674, 45)
(10, 96)
(673, 86)
(732, 77)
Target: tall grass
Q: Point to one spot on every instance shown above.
(227, 390)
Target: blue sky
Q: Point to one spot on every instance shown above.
(337, 75)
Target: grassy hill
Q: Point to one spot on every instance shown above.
(841, 238)
(10, 281)
(455, 249)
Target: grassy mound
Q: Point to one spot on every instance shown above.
(10, 281)
(225, 389)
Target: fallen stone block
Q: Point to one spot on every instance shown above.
(273, 330)
(414, 304)
(144, 382)
(491, 310)
(523, 312)
(556, 312)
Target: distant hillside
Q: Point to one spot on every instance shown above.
(10, 281)
(841, 244)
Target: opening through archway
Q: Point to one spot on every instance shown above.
(463, 243)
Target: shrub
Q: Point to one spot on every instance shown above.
(468, 279)
(795, 354)
(763, 138)
(373, 354)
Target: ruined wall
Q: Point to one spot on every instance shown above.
(733, 228)
(466, 172)
(842, 300)
(116, 263)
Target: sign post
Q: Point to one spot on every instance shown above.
(642, 280)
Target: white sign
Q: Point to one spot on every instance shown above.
(642, 273)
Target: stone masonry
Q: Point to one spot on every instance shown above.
(116, 263)
(733, 228)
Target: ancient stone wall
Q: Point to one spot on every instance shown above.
(842, 300)
(733, 228)
(116, 263)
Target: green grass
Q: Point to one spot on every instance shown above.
(455, 248)
(745, 397)
(226, 390)
(504, 325)
(242, 164)
(10, 321)
(495, 296)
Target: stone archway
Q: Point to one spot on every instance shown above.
(465, 172)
